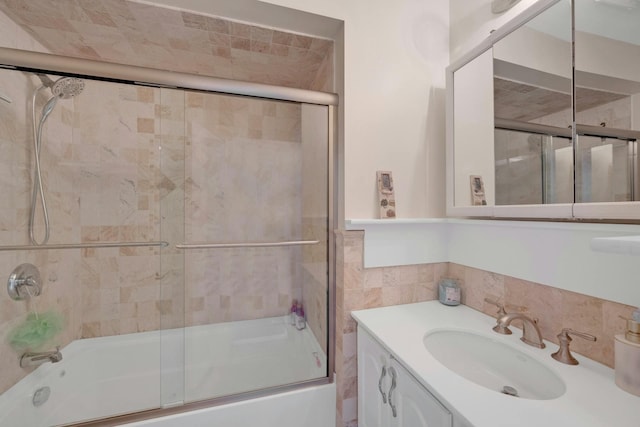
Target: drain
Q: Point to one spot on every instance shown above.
(41, 396)
(509, 391)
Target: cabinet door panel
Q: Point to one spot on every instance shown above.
(372, 375)
(416, 407)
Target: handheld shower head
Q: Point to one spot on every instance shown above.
(48, 108)
(67, 87)
(64, 87)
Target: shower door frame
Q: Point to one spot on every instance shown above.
(36, 62)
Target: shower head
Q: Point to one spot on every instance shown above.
(67, 87)
(64, 87)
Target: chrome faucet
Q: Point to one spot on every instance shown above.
(36, 359)
(530, 332)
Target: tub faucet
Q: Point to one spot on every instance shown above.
(36, 359)
(530, 331)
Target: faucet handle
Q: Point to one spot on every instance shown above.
(501, 311)
(564, 337)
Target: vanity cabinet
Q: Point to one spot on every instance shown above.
(389, 396)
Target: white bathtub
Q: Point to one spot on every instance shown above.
(107, 376)
(310, 407)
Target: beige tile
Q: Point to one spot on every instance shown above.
(373, 297)
(407, 274)
(353, 277)
(353, 299)
(373, 278)
(146, 125)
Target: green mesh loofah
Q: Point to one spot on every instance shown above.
(35, 331)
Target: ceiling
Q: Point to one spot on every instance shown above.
(133, 33)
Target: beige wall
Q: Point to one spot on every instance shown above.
(392, 97)
(472, 21)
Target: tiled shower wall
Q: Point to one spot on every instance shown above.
(360, 288)
(136, 33)
(243, 185)
(107, 181)
(228, 171)
(100, 175)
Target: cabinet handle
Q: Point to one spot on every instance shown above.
(393, 387)
(383, 373)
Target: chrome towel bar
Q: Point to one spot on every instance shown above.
(84, 246)
(245, 245)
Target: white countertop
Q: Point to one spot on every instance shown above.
(592, 398)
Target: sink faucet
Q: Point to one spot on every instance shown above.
(563, 354)
(36, 359)
(530, 331)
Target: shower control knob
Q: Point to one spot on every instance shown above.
(24, 282)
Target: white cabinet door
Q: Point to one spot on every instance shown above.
(373, 382)
(411, 404)
(388, 395)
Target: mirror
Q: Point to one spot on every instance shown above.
(512, 116)
(607, 78)
(545, 120)
(532, 108)
(473, 130)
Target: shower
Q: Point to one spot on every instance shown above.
(63, 88)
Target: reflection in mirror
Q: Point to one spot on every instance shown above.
(473, 132)
(533, 111)
(607, 62)
(532, 168)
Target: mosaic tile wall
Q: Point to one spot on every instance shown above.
(100, 175)
(360, 288)
(108, 180)
(133, 33)
(243, 184)
(235, 178)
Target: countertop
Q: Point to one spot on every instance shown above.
(592, 398)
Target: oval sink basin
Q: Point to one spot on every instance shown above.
(494, 365)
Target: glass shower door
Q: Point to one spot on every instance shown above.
(256, 233)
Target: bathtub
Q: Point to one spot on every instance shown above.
(101, 377)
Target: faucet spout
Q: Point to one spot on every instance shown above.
(530, 332)
(36, 359)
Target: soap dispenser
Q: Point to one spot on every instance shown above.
(627, 356)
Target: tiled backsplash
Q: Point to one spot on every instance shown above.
(554, 308)
(360, 288)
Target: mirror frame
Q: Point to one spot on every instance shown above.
(620, 211)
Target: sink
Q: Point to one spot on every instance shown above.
(493, 365)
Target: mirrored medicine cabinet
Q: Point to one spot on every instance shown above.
(543, 121)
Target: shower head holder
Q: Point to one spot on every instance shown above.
(24, 282)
